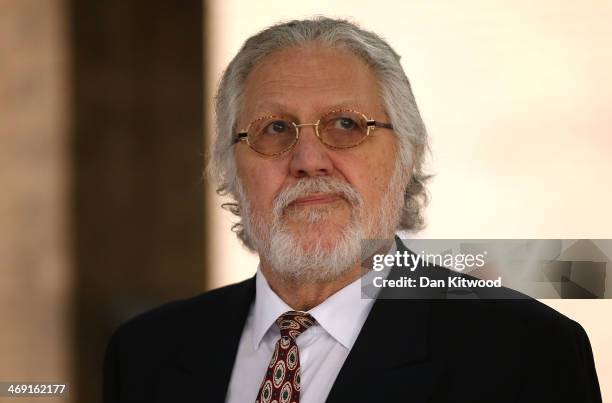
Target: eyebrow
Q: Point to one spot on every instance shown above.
(278, 108)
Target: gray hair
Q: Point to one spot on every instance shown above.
(395, 92)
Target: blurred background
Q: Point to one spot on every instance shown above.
(105, 118)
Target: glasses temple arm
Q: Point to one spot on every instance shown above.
(239, 136)
(380, 124)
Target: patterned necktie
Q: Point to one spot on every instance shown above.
(282, 381)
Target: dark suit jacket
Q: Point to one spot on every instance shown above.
(409, 350)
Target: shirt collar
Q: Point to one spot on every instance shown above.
(341, 315)
(268, 307)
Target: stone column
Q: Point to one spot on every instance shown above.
(35, 259)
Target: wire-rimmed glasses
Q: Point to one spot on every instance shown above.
(339, 129)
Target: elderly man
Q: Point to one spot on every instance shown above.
(320, 145)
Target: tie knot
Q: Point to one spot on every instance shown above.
(293, 323)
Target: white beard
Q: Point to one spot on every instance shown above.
(333, 255)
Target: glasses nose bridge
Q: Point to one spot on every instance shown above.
(315, 126)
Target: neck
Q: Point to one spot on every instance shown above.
(302, 295)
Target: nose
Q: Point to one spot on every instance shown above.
(309, 156)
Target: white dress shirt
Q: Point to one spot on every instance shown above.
(323, 348)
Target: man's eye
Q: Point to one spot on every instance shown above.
(277, 127)
(345, 124)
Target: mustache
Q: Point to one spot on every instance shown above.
(317, 185)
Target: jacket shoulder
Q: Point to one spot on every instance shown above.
(150, 343)
(205, 307)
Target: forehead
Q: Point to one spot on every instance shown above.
(309, 80)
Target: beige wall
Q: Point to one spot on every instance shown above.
(516, 97)
(35, 268)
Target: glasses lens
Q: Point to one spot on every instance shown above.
(271, 135)
(343, 129)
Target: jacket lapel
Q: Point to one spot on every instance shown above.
(389, 356)
(389, 360)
